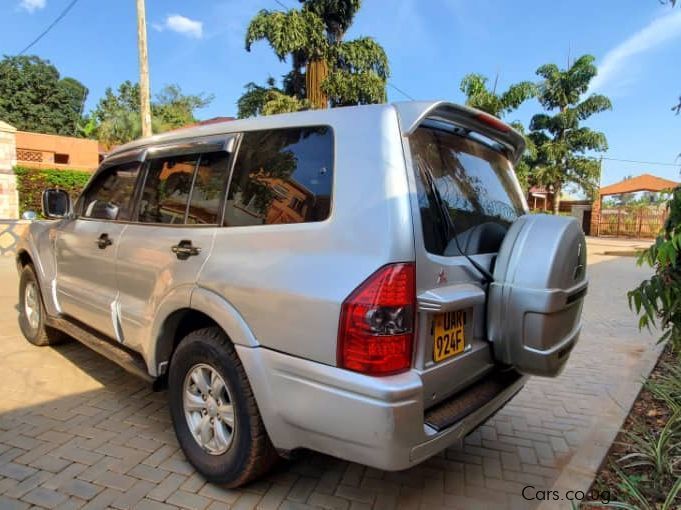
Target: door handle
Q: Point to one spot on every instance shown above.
(103, 241)
(184, 249)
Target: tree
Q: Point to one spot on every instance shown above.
(117, 118)
(560, 141)
(480, 97)
(34, 97)
(337, 15)
(174, 109)
(268, 100)
(523, 168)
(325, 69)
(116, 115)
(126, 98)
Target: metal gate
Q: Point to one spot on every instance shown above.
(632, 222)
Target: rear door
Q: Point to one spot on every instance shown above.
(163, 250)
(86, 246)
(466, 198)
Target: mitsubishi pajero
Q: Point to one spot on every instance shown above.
(364, 282)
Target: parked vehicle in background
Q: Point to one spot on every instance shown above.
(364, 281)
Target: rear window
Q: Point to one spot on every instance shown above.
(466, 191)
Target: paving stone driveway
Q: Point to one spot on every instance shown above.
(77, 431)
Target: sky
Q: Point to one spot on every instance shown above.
(431, 45)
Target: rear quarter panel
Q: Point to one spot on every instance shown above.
(288, 281)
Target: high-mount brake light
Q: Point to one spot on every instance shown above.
(493, 122)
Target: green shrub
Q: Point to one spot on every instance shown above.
(31, 182)
(657, 300)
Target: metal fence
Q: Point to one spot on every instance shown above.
(639, 223)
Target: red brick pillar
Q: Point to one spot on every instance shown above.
(596, 214)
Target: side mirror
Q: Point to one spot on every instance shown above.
(56, 203)
(29, 215)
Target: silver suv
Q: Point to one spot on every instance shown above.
(364, 282)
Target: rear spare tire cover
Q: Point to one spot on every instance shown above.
(535, 302)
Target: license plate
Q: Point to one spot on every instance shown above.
(448, 334)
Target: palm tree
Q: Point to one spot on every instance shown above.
(325, 69)
(337, 15)
(560, 141)
(479, 96)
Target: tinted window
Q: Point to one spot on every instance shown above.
(109, 196)
(166, 189)
(209, 185)
(466, 192)
(282, 176)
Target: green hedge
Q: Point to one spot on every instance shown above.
(31, 182)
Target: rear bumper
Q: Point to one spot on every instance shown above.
(374, 421)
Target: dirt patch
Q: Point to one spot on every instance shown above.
(647, 414)
(623, 253)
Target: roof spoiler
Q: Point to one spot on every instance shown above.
(413, 113)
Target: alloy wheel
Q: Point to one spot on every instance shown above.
(209, 409)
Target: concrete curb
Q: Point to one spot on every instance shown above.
(581, 471)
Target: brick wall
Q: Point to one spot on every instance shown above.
(38, 150)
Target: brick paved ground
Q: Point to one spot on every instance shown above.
(76, 431)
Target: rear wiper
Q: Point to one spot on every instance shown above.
(449, 230)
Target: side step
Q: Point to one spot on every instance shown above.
(127, 359)
(460, 405)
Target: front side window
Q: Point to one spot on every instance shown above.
(282, 176)
(466, 191)
(166, 189)
(109, 196)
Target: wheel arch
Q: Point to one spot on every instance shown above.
(206, 309)
(23, 259)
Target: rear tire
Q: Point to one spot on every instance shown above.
(210, 393)
(32, 312)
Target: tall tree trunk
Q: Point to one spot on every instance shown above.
(556, 197)
(316, 73)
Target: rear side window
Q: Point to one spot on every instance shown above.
(281, 176)
(466, 192)
(109, 196)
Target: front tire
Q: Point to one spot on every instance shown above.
(214, 412)
(32, 312)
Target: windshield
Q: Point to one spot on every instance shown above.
(467, 193)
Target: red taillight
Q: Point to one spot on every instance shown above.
(493, 122)
(376, 333)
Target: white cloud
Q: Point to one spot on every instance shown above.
(661, 30)
(181, 25)
(32, 5)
